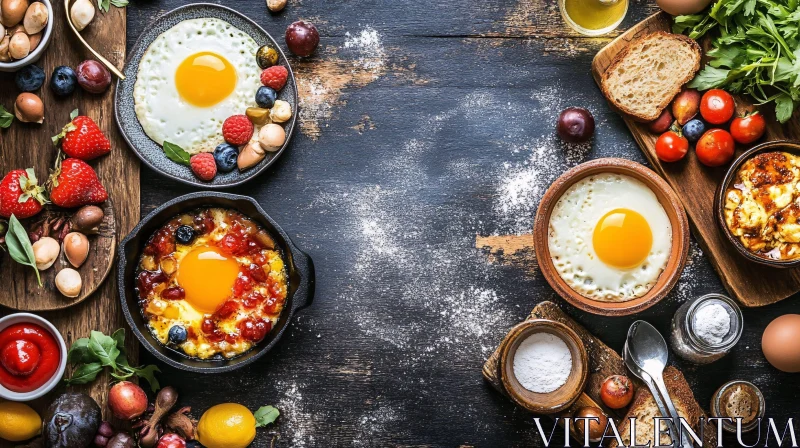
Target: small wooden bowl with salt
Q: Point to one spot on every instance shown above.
(544, 366)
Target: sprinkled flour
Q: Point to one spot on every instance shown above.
(542, 363)
(712, 323)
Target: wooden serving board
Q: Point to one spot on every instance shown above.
(29, 145)
(695, 184)
(603, 362)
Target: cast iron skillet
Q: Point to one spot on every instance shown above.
(298, 263)
(719, 199)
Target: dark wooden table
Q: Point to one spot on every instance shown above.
(425, 125)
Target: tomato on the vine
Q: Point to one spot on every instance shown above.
(671, 146)
(717, 106)
(715, 147)
(748, 128)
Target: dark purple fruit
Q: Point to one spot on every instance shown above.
(302, 38)
(575, 125)
(93, 76)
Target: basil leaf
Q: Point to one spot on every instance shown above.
(19, 246)
(85, 374)
(176, 153)
(266, 415)
(119, 337)
(104, 348)
(784, 107)
(6, 118)
(79, 353)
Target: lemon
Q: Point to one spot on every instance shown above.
(227, 425)
(19, 422)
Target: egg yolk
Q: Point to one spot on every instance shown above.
(207, 275)
(204, 79)
(622, 238)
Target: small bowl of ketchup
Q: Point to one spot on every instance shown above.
(33, 357)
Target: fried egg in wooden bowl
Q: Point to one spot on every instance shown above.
(611, 237)
(209, 282)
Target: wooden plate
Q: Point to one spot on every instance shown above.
(24, 294)
(669, 201)
(149, 151)
(750, 283)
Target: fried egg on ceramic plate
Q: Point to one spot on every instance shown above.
(193, 77)
(609, 237)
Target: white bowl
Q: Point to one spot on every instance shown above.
(18, 318)
(37, 53)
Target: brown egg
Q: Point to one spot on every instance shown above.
(681, 7)
(781, 343)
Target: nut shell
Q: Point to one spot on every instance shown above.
(76, 248)
(276, 5)
(69, 282)
(12, 12)
(29, 108)
(36, 18)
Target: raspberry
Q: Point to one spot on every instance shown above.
(275, 77)
(237, 130)
(203, 166)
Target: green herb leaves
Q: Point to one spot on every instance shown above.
(105, 5)
(19, 246)
(6, 118)
(176, 153)
(266, 415)
(91, 355)
(756, 50)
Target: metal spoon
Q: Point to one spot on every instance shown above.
(97, 55)
(648, 350)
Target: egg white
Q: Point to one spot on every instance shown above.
(572, 225)
(161, 111)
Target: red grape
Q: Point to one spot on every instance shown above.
(93, 76)
(302, 38)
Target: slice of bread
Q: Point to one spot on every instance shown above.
(647, 74)
(644, 409)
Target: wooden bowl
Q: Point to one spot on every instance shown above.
(564, 396)
(669, 201)
(719, 199)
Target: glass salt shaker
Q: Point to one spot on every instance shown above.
(706, 329)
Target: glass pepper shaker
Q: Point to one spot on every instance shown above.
(706, 329)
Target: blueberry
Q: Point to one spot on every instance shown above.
(226, 156)
(29, 78)
(184, 234)
(265, 97)
(177, 334)
(694, 129)
(63, 81)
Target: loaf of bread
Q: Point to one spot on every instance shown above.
(644, 409)
(644, 77)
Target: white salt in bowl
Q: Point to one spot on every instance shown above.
(544, 402)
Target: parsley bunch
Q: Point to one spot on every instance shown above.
(755, 50)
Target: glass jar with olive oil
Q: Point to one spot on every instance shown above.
(593, 17)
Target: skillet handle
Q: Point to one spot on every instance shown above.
(304, 295)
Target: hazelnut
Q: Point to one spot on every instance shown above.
(12, 12)
(35, 18)
(76, 248)
(45, 251)
(276, 5)
(82, 13)
(20, 46)
(29, 108)
(257, 115)
(5, 56)
(281, 111)
(250, 155)
(35, 40)
(271, 137)
(87, 219)
(69, 282)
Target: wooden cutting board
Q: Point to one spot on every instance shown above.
(695, 184)
(29, 145)
(603, 362)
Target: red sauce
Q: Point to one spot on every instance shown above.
(29, 356)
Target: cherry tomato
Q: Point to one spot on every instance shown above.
(717, 106)
(671, 146)
(616, 391)
(715, 147)
(749, 128)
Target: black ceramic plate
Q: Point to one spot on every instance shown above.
(298, 264)
(149, 151)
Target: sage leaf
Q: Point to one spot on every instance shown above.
(19, 246)
(266, 415)
(176, 153)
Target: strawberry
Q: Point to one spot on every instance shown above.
(74, 183)
(21, 195)
(82, 138)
